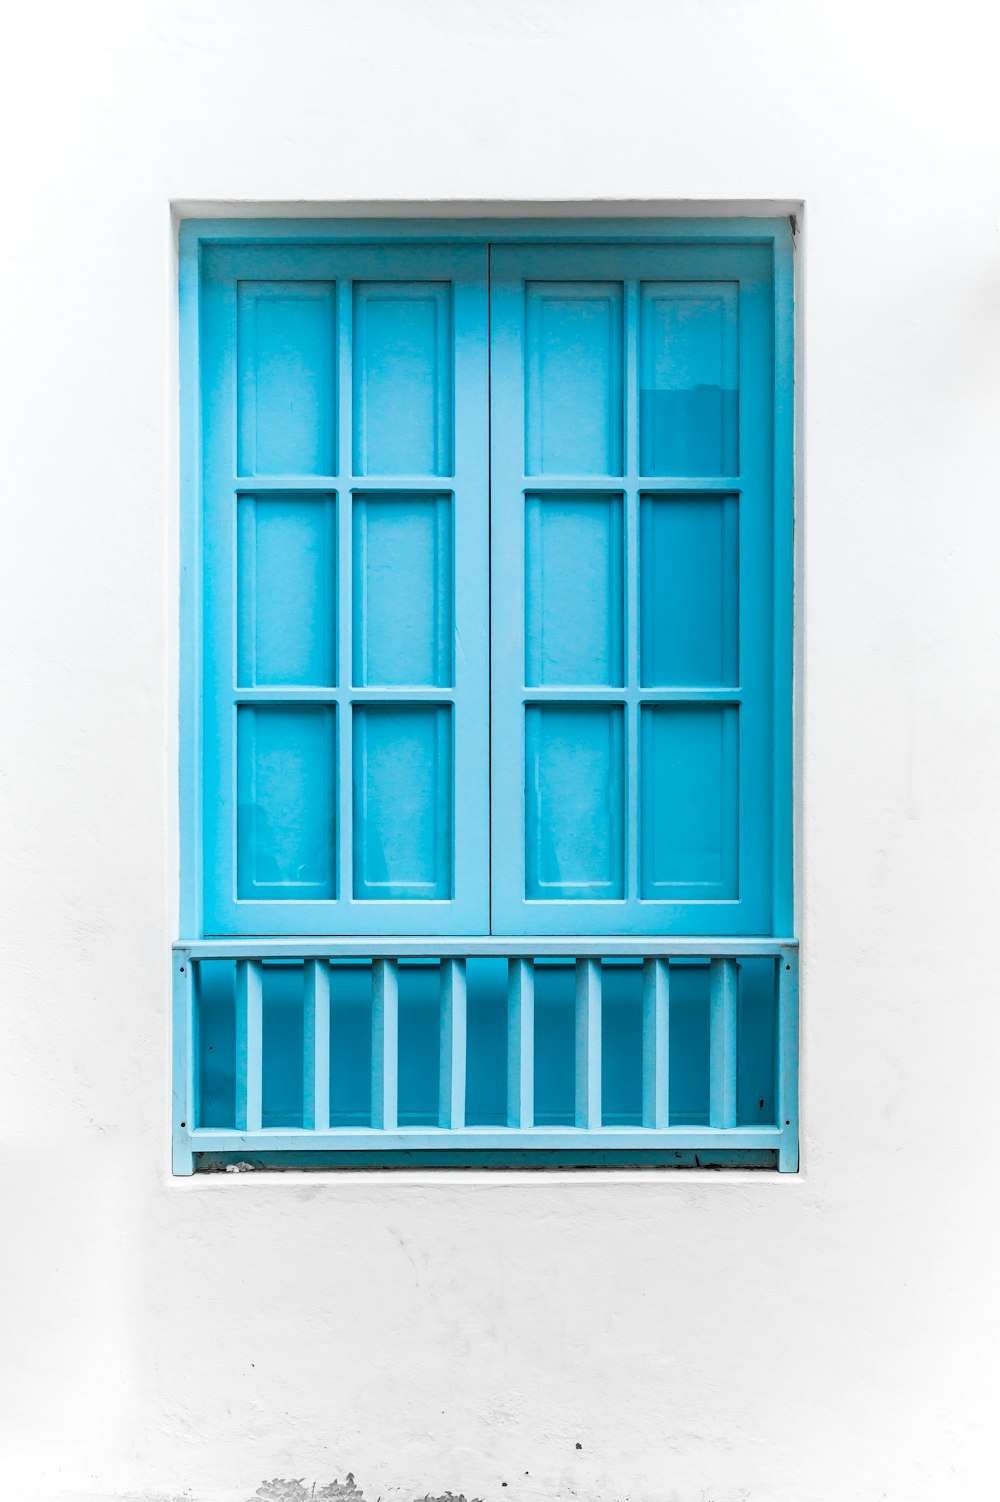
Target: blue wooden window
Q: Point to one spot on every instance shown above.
(487, 658)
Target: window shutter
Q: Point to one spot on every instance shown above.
(632, 671)
(345, 519)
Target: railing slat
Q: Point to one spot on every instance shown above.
(520, 1043)
(316, 1046)
(385, 1044)
(451, 1098)
(249, 1045)
(588, 1043)
(655, 1043)
(788, 1063)
(723, 993)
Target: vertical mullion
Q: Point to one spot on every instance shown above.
(385, 1044)
(249, 1045)
(655, 1043)
(345, 602)
(316, 1046)
(520, 1043)
(631, 565)
(451, 1098)
(723, 992)
(588, 1043)
(787, 1093)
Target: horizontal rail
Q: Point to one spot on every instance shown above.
(607, 947)
(483, 1139)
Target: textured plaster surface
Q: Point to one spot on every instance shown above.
(675, 1339)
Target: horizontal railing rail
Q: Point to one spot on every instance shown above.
(657, 1131)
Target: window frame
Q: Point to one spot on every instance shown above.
(196, 234)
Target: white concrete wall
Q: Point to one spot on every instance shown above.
(828, 1338)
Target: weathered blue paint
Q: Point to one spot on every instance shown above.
(336, 593)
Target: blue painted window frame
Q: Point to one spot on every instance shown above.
(201, 240)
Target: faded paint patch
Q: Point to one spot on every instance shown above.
(296, 1490)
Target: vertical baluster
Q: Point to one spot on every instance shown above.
(249, 1044)
(788, 1062)
(655, 1043)
(723, 990)
(316, 1046)
(385, 1043)
(588, 1043)
(520, 1043)
(451, 1097)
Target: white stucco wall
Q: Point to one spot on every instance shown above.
(695, 1338)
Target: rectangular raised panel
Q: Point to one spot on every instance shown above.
(403, 590)
(573, 378)
(402, 378)
(575, 796)
(286, 779)
(689, 591)
(403, 801)
(286, 590)
(688, 378)
(287, 384)
(689, 814)
(573, 589)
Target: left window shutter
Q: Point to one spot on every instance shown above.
(345, 589)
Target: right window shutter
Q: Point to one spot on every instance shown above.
(632, 566)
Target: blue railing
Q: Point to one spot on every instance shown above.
(317, 974)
